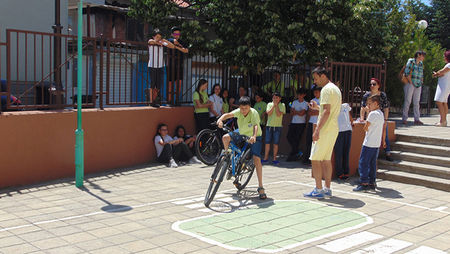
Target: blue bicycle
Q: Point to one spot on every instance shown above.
(238, 164)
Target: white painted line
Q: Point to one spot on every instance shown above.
(194, 206)
(440, 208)
(205, 210)
(176, 227)
(349, 241)
(427, 250)
(224, 199)
(182, 202)
(385, 247)
(198, 205)
(196, 197)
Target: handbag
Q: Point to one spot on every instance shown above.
(402, 77)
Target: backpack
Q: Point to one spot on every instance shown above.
(402, 77)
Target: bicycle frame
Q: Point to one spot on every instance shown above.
(236, 154)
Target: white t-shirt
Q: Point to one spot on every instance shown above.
(160, 147)
(313, 119)
(344, 118)
(444, 81)
(217, 104)
(156, 56)
(299, 106)
(375, 132)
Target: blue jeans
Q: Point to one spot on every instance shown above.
(388, 145)
(273, 135)
(342, 152)
(368, 165)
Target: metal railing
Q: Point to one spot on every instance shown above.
(354, 79)
(117, 73)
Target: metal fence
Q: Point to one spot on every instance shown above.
(117, 73)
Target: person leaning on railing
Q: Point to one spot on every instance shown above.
(156, 64)
(175, 66)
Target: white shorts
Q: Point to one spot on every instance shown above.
(442, 92)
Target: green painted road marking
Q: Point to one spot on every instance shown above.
(272, 226)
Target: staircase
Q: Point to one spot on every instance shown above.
(418, 160)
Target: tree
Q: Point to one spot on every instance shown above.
(410, 39)
(255, 34)
(440, 22)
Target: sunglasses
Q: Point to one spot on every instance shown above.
(373, 84)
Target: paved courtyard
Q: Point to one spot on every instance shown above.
(426, 130)
(154, 209)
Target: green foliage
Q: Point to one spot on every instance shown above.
(255, 34)
(440, 22)
(410, 40)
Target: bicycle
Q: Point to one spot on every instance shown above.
(208, 144)
(238, 163)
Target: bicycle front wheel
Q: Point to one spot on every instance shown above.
(208, 147)
(245, 170)
(216, 179)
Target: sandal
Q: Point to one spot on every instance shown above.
(444, 124)
(261, 195)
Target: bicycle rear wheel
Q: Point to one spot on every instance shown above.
(208, 147)
(245, 170)
(216, 179)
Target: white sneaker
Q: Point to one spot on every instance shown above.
(173, 164)
(194, 160)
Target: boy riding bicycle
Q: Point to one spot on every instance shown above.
(248, 123)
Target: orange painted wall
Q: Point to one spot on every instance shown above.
(37, 146)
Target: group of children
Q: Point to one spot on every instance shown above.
(304, 116)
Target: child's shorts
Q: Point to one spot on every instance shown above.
(239, 141)
(273, 135)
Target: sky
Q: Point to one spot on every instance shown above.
(427, 2)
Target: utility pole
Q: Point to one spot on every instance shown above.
(57, 28)
(79, 133)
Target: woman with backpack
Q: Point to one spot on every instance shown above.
(412, 77)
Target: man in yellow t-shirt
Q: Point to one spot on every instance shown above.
(275, 111)
(248, 123)
(325, 134)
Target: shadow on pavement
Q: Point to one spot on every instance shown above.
(91, 178)
(343, 202)
(109, 207)
(240, 199)
(387, 193)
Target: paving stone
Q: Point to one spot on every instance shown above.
(19, 249)
(147, 227)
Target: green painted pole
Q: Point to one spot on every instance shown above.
(79, 134)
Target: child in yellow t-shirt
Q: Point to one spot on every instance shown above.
(275, 111)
